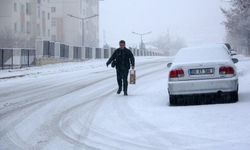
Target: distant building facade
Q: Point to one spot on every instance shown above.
(72, 28)
(22, 22)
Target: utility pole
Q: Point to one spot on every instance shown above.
(83, 24)
(141, 36)
(104, 37)
(248, 43)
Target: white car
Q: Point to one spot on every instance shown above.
(203, 75)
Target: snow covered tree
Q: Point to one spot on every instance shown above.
(238, 25)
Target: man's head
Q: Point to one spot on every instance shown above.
(122, 44)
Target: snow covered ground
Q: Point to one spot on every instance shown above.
(74, 106)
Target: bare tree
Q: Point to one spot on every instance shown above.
(238, 25)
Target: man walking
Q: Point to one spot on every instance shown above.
(122, 59)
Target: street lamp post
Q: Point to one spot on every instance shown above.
(141, 35)
(83, 24)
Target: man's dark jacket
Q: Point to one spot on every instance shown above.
(123, 58)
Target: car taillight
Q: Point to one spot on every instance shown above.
(176, 73)
(227, 71)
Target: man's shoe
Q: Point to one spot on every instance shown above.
(125, 94)
(119, 91)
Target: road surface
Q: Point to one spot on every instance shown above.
(74, 107)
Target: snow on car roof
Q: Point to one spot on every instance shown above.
(208, 53)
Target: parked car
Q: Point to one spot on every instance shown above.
(231, 51)
(203, 75)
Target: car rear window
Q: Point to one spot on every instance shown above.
(201, 54)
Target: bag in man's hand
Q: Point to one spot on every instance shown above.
(132, 76)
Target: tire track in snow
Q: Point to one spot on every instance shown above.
(139, 124)
(28, 94)
(86, 128)
(84, 103)
(169, 139)
(42, 103)
(89, 118)
(43, 92)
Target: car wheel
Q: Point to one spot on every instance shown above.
(182, 100)
(172, 100)
(235, 97)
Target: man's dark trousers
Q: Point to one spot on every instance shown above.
(122, 78)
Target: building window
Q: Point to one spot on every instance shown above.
(22, 18)
(48, 16)
(38, 30)
(15, 7)
(53, 22)
(39, 12)
(15, 27)
(48, 32)
(39, 1)
(28, 8)
(53, 9)
(28, 27)
(53, 37)
(44, 23)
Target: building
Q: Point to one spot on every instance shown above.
(92, 25)
(22, 22)
(68, 29)
(41, 19)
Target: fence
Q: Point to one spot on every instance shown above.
(47, 52)
(77, 53)
(59, 50)
(16, 58)
(6, 58)
(64, 51)
(88, 53)
(98, 53)
(49, 48)
(106, 53)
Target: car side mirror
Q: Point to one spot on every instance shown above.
(169, 65)
(235, 60)
(233, 52)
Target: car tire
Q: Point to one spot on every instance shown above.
(234, 97)
(172, 100)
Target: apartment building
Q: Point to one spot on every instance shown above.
(41, 19)
(22, 22)
(91, 25)
(70, 30)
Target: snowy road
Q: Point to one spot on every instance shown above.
(74, 106)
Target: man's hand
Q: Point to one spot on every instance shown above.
(133, 67)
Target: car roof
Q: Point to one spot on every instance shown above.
(206, 53)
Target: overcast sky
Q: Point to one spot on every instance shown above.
(197, 21)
